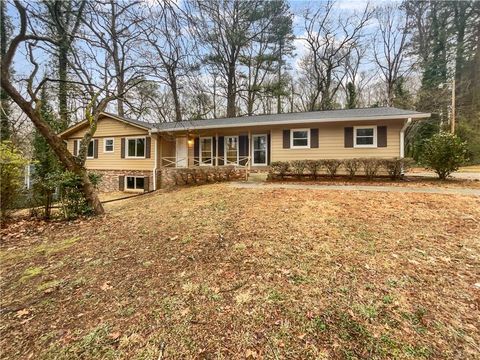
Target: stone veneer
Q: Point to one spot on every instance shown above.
(109, 182)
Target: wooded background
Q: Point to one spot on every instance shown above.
(180, 60)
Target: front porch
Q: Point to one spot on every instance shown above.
(250, 151)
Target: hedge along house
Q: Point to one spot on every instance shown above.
(137, 156)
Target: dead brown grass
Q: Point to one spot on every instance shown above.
(215, 272)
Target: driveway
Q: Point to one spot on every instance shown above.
(375, 188)
(457, 175)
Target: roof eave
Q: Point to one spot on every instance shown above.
(300, 121)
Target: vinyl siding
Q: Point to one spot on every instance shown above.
(109, 128)
(330, 138)
(331, 143)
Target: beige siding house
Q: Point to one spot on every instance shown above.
(131, 154)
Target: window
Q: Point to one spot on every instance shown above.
(231, 150)
(134, 183)
(365, 136)
(90, 150)
(108, 145)
(206, 151)
(136, 147)
(300, 138)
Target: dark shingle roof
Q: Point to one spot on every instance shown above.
(379, 113)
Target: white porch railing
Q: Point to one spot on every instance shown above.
(172, 161)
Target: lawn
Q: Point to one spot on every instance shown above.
(215, 272)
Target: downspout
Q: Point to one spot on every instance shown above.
(402, 137)
(402, 141)
(155, 162)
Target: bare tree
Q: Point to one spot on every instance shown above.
(96, 85)
(330, 38)
(225, 28)
(389, 48)
(170, 48)
(114, 27)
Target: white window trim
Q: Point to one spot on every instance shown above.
(126, 147)
(299, 147)
(253, 150)
(78, 148)
(374, 145)
(200, 162)
(105, 145)
(135, 182)
(225, 150)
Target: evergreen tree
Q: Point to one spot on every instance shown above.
(351, 96)
(46, 162)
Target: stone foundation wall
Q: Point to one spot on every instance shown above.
(200, 175)
(110, 178)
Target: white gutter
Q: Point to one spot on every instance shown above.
(290, 122)
(402, 137)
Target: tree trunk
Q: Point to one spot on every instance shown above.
(176, 99)
(55, 142)
(231, 90)
(62, 86)
(5, 131)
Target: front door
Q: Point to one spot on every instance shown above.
(259, 150)
(181, 147)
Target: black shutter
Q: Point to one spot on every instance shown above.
(75, 147)
(146, 183)
(348, 137)
(314, 138)
(221, 150)
(122, 148)
(121, 183)
(148, 145)
(382, 136)
(95, 148)
(268, 149)
(286, 139)
(243, 148)
(196, 151)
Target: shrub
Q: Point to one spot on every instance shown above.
(11, 175)
(313, 167)
(395, 167)
(280, 168)
(332, 166)
(229, 172)
(370, 167)
(351, 166)
(444, 153)
(298, 167)
(72, 199)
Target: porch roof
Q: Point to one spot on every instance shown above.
(380, 113)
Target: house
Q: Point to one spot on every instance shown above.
(132, 155)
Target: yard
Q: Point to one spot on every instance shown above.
(218, 272)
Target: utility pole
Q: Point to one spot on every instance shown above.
(452, 120)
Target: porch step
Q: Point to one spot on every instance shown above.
(257, 177)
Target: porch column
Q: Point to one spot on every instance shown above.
(216, 149)
(250, 150)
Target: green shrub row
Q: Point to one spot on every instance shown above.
(369, 166)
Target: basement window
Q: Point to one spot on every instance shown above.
(134, 183)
